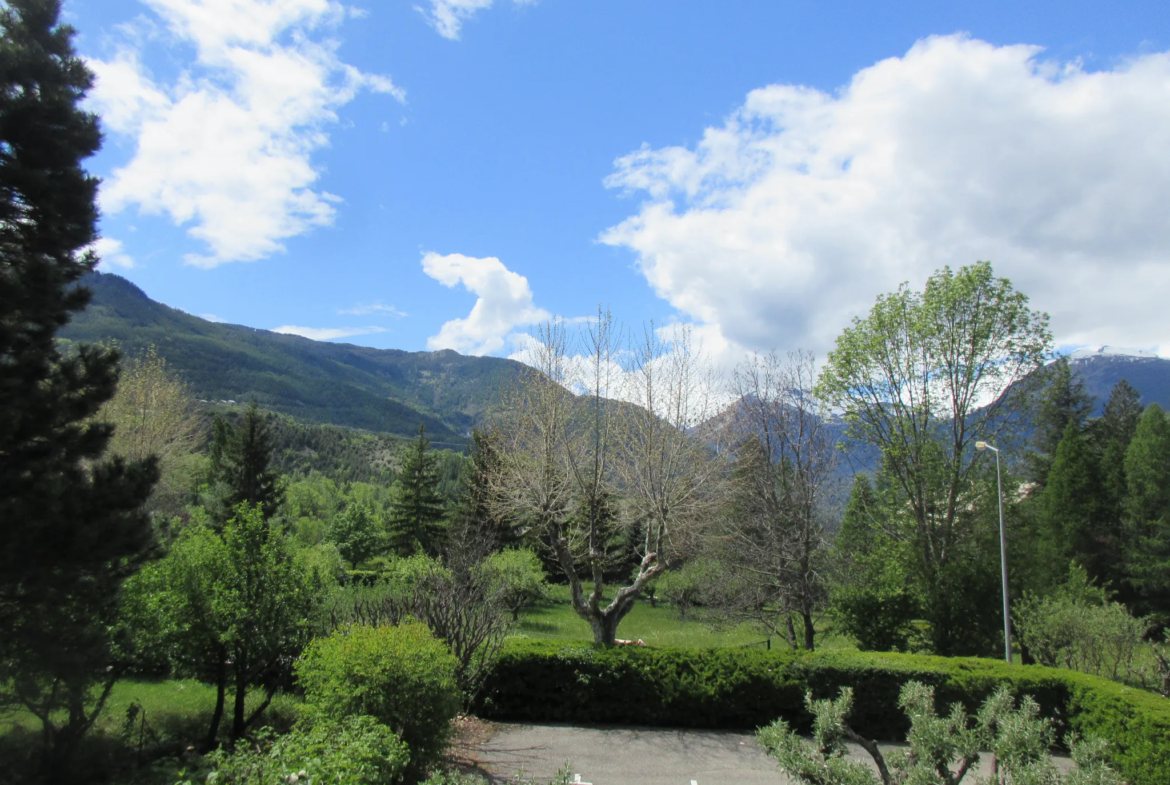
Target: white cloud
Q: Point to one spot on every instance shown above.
(379, 308)
(326, 333)
(227, 146)
(790, 218)
(210, 317)
(111, 253)
(448, 16)
(504, 303)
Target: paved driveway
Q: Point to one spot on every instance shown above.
(627, 756)
(638, 756)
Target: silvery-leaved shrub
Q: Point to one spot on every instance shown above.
(941, 750)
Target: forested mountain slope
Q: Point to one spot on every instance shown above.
(381, 390)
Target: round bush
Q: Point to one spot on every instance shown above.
(402, 676)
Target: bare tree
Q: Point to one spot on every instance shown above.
(773, 536)
(673, 464)
(569, 462)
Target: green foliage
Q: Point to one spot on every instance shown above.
(418, 509)
(940, 750)
(1072, 526)
(1147, 510)
(241, 470)
(741, 688)
(73, 527)
(823, 761)
(684, 588)
(402, 676)
(517, 578)
(912, 378)
(356, 534)
(872, 597)
(1077, 627)
(355, 750)
(227, 608)
(1062, 402)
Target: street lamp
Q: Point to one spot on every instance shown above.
(1007, 619)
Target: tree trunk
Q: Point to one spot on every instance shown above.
(809, 632)
(220, 694)
(238, 718)
(605, 628)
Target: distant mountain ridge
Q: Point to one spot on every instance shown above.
(1102, 367)
(380, 390)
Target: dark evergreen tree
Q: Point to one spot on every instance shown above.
(241, 466)
(478, 508)
(73, 527)
(1072, 527)
(1063, 401)
(418, 510)
(1147, 512)
(1110, 436)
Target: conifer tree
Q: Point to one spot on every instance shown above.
(1147, 511)
(418, 509)
(1064, 401)
(241, 464)
(1071, 524)
(1110, 437)
(73, 525)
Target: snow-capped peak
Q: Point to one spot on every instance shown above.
(1121, 352)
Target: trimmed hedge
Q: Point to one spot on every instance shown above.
(543, 681)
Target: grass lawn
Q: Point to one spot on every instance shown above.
(660, 626)
(176, 714)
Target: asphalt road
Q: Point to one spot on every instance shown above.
(640, 756)
(628, 756)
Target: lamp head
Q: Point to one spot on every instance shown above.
(980, 446)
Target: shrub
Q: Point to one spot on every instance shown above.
(355, 751)
(1019, 740)
(545, 681)
(402, 676)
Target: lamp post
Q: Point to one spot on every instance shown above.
(1007, 619)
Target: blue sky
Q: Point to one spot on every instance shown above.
(445, 173)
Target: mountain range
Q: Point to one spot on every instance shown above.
(389, 390)
(378, 390)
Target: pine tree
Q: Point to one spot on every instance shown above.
(1110, 437)
(73, 526)
(1063, 401)
(1147, 511)
(1070, 518)
(241, 465)
(418, 509)
(478, 508)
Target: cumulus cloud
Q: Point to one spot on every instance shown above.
(504, 303)
(226, 147)
(326, 333)
(373, 308)
(111, 253)
(787, 220)
(448, 16)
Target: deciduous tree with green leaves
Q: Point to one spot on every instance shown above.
(922, 378)
(232, 608)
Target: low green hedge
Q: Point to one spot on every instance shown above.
(545, 681)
